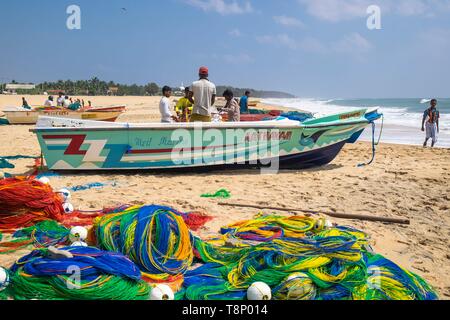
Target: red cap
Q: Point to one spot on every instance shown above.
(203, 71)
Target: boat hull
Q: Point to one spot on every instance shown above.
(31, 117)
(90, 145)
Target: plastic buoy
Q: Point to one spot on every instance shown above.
(162, 292)
(259, 291)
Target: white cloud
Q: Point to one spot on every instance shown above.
(279, 40)
(340, 10)
(352, 43)
(238, 59)
(288, 21)
(222, 7)
(336, 10)
(235, 33)
(241, 58)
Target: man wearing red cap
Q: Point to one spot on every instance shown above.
(204, 97)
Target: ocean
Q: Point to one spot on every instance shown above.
(402, 117)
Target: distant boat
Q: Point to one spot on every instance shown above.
(19, 115)
(91, 145)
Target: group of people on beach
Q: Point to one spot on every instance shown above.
(62, 101)
(197, 105)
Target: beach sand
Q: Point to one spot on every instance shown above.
(404, 181)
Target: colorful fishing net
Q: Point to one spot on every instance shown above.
(90, 274)
(44, 234)
(156, 238)
(25, 202)
(299, 259)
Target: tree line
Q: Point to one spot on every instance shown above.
(97, 87)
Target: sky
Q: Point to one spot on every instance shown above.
(310, 48)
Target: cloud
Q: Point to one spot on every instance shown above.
(241, 58)
(354, 44)
(235, 33)
(222, 7)
(279, 40)
(336, 10)
(341, 10)
(238, 59)
(288, 21)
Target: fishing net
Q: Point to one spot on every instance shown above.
(90, 274)
(156, 238)
(299, 259)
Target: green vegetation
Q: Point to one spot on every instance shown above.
(97, 87)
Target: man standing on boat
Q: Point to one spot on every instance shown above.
(431, 118)
(204, 92)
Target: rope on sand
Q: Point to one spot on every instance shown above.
(6, 164)
(82, 274)
(222, 193)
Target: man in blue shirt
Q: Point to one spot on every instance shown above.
(244, 102)
(431, 118)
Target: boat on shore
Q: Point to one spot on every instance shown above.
(69, 144)
(20, 115)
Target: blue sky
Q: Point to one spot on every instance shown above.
(311, 48)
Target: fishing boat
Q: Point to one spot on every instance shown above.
(20, 115)
(69, 144)
(265, 115)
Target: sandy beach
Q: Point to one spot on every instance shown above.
(404, 181)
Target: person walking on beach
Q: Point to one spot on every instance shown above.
(204, 92)
(232, 107)
(164, 106)
(430, 123)
(244, 102)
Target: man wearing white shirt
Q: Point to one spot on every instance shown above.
(60, 100)
(49, 102)
(66, 102)
(164, 106)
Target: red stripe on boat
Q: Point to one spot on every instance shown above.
(176, 150)
(74, 147)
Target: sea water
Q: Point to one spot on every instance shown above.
(402, 117)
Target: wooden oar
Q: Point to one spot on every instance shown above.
(330, 214)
